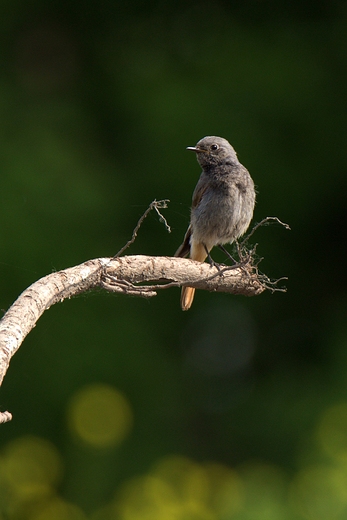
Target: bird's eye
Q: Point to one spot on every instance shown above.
(214, 147)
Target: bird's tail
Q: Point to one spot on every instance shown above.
(198, 253)
(187, 297)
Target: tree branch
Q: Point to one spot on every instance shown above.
(128, 275)
(120, 275)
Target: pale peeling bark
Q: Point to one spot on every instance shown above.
(117, 275)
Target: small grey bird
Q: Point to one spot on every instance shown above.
(222, 205)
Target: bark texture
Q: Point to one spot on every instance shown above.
(121, 275)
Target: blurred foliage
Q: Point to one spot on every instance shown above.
(128, 409)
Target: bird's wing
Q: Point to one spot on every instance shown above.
(199, 191)
(184, 248)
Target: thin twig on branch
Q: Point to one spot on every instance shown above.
(156, 205)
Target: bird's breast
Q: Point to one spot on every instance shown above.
(223, 214)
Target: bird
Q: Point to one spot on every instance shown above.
(222, 204)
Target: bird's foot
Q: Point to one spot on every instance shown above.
(213, 263)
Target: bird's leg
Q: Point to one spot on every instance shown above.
(222, 248)
(211, 261)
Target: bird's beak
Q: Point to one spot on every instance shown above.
(195, 149)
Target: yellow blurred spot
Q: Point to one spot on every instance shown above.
(265, 490)
(151, 498)
(332, 432)
(100, 416)
(31, 466)
(320, 493)
(106, 512)
(187, 479)
(147, 498)
(58, 509)
(178, 488)
(226, 490)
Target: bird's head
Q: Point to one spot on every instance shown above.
(212, 150)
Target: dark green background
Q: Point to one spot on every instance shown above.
(98, 101)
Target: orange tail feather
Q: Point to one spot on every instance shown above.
(187, 297)
(198, 253)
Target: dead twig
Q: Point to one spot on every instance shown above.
(265, 222)
(156, 205)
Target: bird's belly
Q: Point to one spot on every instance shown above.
(220, 223)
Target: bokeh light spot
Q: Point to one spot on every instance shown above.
(147, 498)
(187, 479)
(221, 340)
(100, 415)
(31, 466)
(332, 432)
(320, 492)
(265, 490)
(58, 509)
(226, 493)
(178, 488)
